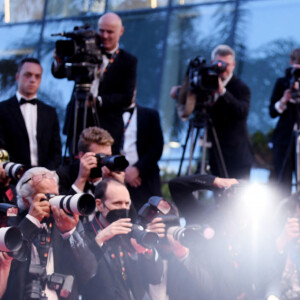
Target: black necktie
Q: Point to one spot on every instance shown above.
(31, 101)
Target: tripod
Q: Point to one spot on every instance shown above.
(201, 120)
(82, 101)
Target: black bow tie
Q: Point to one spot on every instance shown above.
(89, 187)
(31, 101)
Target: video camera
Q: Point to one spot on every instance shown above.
(80, 204)
(11, 238)
(114, 163)
(81, 53)
(204, 77)
(55, 281)
(12, 170)
(159, 207)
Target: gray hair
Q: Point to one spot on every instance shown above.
(25, 188)
(222, 50)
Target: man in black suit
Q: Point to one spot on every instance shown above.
(229, 117)
(142, 147)
(125, 268)
(228, 113)
(113, 84)
(55, 242)
(283, 104)
(29, 129)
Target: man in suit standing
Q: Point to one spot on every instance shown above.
(142, 147)
(113, 84)
(284, 105)
(229, 116)
(29, 128)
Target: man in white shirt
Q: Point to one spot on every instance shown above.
(29, 129)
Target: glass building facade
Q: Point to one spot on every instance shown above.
(164, 35)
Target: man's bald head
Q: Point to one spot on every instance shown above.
(110, 29)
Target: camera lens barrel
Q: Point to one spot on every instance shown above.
(81, 204)
(13, 170)
(10, 239)
(145, 238)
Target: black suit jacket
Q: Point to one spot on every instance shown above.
(14, 136)
(229, 116)
(116, 91)
(75, 259)
(149, 148)
(109, 283)
(283, 132)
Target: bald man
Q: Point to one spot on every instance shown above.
(113, 85)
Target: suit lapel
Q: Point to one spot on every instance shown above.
(16, 114)
(41, 120)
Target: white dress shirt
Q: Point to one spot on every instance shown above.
(29, 113)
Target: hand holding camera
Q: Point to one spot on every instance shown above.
(63, 222)
(40, 209)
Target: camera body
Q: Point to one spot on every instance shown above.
(80, 52)
(204, 77)
(114, 163)
(57, 282)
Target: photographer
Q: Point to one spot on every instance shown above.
(76, 177)
(113, 84)
(229, 112)
(125, 268)
(55, 241)
(7, 190)
(284, 105)
(182, 189)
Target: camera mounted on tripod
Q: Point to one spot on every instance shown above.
(199, 84)
(80, 52)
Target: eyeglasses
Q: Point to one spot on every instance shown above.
(39, 177)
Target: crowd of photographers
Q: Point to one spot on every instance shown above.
(73, 232)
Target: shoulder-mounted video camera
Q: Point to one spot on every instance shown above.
(80, 52)
(204, 77)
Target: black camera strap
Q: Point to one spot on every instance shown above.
(44, 242)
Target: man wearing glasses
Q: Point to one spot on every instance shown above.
(54, 243)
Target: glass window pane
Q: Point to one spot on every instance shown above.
(22, 10)
(69, 8)
(183, 2)
(118, 5)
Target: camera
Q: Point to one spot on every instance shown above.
(189, 236)
(295, 83)
(114, 163)
(80, 52)
(56, 281)
(145, 238)
(80, 204)
(204, 77)
(4, 156)
(13, 170)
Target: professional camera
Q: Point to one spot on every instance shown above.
(57, 282)
(295, 83)
(145, 238)
(159, 207)
(204, 77)
(81, 53)
(114, 163)
(80, 204)
(13, 170)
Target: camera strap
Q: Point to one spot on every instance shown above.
(44, 242)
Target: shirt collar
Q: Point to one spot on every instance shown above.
(19, 96)
(226, 80)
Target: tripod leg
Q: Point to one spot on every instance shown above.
(220, 158)
(184, 148)
(192, 149)
(203, 157)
